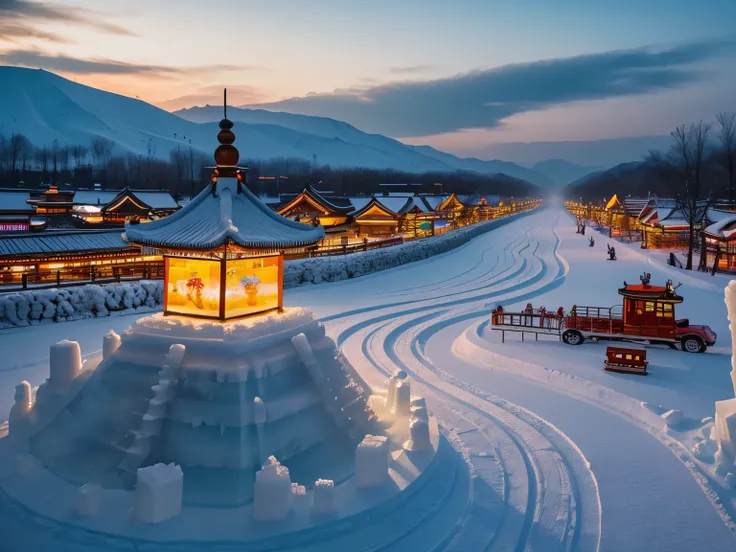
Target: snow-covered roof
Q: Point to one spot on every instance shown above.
(415, 202)
(723, 223)
(14, 200)
(359, 202)
(156, 199)
(225, 211)
(394, 204)
(434, 200)
(87, 209)
(61, 242)
(94, 197)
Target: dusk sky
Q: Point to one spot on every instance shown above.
(459, 75)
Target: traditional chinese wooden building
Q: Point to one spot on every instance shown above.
(52, 201)
(62, 256)
(314, 207)
(664, 226)
(125, 204)
(15, 211)
(719, 240)
(376, 219)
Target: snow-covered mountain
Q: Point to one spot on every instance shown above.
(46, 107)
(425, 158)
(563, 172)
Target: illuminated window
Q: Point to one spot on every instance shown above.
(252, 285)
(194, 286)
(649, 306)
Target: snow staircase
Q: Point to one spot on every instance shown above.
(152, 421)
(341, 396)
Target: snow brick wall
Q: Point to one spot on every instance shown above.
(28, 308)
(334, 269)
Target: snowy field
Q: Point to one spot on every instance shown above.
(565, 456)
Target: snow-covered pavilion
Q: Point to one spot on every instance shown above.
(223, 251)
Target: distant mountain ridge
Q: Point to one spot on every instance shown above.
(563, 172)
(427, 157)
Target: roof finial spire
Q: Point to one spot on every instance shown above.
(226, 154)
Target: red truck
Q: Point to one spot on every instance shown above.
(647, 314)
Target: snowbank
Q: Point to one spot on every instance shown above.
(58, 305)
(334, 269)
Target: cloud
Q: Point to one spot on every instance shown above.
(410, 69)
(20, 19)
(237, 95)
(484, 98)
(104, 66)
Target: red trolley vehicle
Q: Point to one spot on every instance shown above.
(647, 314)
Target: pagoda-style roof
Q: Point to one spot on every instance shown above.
(376, 209)
(225, 212)
(315, 198)
(141, 200)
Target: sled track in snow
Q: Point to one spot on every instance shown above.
(532, 487)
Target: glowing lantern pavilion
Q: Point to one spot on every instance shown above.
(223, 252)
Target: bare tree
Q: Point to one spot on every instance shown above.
(682, 168)
(178, 159)
(79, 154)
(726, 135)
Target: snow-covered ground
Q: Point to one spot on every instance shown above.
(565, 456)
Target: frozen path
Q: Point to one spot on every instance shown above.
(556, 466)
(416, 314)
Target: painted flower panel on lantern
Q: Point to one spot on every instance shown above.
(252, 285)
(193, 286)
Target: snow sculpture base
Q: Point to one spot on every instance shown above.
(199, 399)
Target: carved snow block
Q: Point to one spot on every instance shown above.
(419, 436)
(300, 499)
(391, 394)
(418, 402)
(21, 406)
(419, 413)
(158, 492)
(324, 497)
(259, 411)
(403, 399)
(725, 426)
(371, 461)
(110, 343)
(66, 363)
(162, 391)
(151, 425)
(272, 492)
(88, 500)
(175, 356)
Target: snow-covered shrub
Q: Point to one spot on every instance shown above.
(333, 269)
(19, 309)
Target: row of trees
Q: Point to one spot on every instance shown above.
(187, 171)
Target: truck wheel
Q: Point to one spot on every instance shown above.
(693, 344)
(573, 337)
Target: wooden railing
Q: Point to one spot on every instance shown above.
(101, 274)
(334, 250)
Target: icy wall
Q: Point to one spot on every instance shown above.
(334, 269)
(57, 305)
